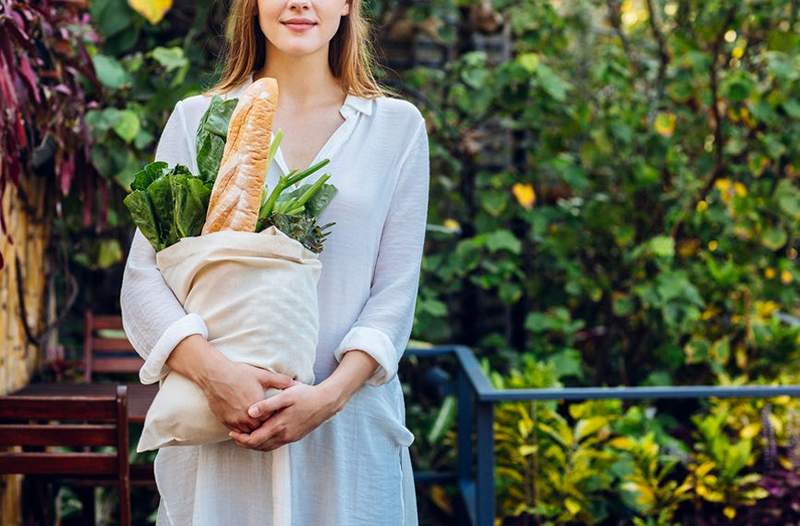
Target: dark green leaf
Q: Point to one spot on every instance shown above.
(141, 209)
(144, 177)
(211, 134)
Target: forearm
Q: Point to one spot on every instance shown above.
(349, 376)
(195, 358)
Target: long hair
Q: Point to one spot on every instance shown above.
(350, 55)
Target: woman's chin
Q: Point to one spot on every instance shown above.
(298, 50)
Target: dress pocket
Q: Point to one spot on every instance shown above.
(374, 403)
(379, 442)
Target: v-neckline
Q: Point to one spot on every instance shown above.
(329, 143)
(335, 139)
(334, 142)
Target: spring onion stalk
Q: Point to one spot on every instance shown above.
(284, 182)
(296, 205)
(273, 148)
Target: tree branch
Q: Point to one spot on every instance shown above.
(716, 116)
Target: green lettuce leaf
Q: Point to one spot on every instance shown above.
(144, 177)
(141, 210)
(160, 194)
(211, 134)
(191, 205)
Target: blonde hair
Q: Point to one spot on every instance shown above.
(350, 55)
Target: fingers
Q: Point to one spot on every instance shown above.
(238, 426)
(243, 424)
(270, 405)
(272, 379)
(270, 433)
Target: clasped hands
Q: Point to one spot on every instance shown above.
(236, 396)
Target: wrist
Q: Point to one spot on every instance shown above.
(198, 360)
(212, 368)
(335, 392)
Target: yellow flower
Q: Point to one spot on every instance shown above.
(709, 313)
(786, 277)
(665, 124)
(152, 10)
(712, 245)
(451, 223)
(765, 309)
(769, 272)
(740, 189)
(525, 194)
(744, 112)
(723, 185)
(702, 205)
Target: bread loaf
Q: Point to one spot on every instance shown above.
(236, 197)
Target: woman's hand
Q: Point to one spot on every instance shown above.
(289, 416)
(233, 387)
(230, 387)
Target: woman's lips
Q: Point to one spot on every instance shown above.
(298, 26)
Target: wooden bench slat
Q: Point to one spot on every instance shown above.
(112, 345)
(117, 365)
(59, 463)
(58, 435)
(57, 407)
(106, 322)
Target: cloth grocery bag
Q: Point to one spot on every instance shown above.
(257, 293)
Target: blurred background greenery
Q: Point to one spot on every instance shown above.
(614, 201)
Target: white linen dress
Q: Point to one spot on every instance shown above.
(355, 468)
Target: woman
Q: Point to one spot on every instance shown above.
(346, 433)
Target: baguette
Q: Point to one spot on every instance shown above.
(236, 196)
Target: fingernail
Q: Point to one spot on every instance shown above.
(253, 412)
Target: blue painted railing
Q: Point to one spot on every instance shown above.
(476, 398)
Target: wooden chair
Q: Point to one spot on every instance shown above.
(107, 355)
(103, 422)
(113, 355)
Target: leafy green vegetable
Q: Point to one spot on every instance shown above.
(148, 174)
(303, 228)
(211, 134)
(160, 194)
(168, 204)
(191, 204)
(141, 210)
(295, 213)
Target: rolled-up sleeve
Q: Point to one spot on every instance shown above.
(383, 327)
(152, 317)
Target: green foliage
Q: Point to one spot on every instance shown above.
(717, 471)
(645, 483)
(548, 465)
(619, 206)
(587, 462)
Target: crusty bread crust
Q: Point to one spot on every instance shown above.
(236, 196)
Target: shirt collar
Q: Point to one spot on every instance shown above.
(352, 103)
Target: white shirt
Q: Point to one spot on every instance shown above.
(355, 468)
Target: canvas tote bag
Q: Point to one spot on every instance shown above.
(257, 293)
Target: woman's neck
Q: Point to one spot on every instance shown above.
(305, 82)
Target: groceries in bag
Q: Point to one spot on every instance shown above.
(244, 258)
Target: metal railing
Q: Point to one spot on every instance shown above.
(476, 398)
